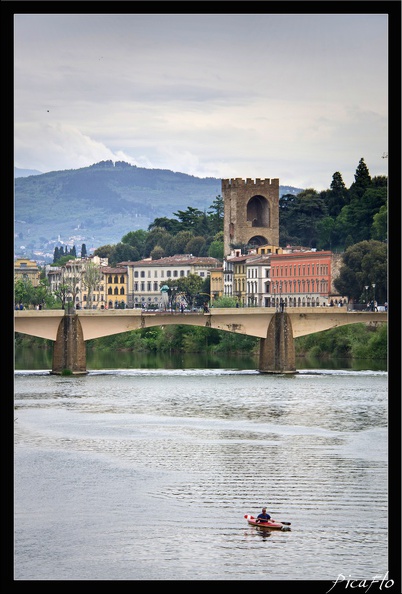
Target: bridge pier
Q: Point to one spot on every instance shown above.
(69, 352)
(277, 351)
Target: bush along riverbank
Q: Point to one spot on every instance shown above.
(356, 341)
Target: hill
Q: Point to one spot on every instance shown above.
(25, 172)
(99, 204)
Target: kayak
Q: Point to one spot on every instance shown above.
(272, 524)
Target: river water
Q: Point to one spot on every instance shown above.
(146, 474)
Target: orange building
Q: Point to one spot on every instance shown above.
(305, 278)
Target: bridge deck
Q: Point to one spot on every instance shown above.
(251, 321)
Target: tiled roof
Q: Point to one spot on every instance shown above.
(177, 260)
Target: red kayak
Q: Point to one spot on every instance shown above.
(273, 524)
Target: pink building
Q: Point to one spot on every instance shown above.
(305, 278)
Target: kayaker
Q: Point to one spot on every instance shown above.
(263, 517)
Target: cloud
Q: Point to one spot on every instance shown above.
(297, 97)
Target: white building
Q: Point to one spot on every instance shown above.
(146, 277)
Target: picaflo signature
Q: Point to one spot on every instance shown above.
(378, 581)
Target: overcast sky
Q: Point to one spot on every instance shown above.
(289, 96)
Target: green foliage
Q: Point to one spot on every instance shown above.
(216, 250)
(374, 347)
(237, 343)
(354, 341)
(364, 263)
(336, 218)
(225, 301)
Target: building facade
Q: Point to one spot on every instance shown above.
(146, 277)
(26, 270)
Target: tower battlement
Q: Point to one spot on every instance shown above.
(239, 182)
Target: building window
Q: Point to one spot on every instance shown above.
(142, 273)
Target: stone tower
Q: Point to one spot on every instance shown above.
(251, 212)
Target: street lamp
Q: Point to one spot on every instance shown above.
(366, 287)
(373, 285)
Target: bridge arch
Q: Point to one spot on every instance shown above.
(70, 331)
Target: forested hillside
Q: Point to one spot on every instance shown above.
(97, 205)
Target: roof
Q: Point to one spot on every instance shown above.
(177, 260)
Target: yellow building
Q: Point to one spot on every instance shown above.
(115, 280)
(216, 283)
(262, 250)
(26, 270)
(239, 278)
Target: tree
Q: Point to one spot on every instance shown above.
(189, 218)
(123, 252)
(23, 292)
(225, 301)
(157, 253)
(136, 239)
(91, 276)
(362, 181)
(379, 228)
(170, 225)
(216, 215)
(177, 244)
(195, 245)
(337, 197)
(83, 251)
(356, 218)
(299, 218)
(364, 264)
(325, 228)
(158, 236)
(63, 259)
(216, 250)
(104, 251)
(190, 286)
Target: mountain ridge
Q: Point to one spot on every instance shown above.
(97, 205)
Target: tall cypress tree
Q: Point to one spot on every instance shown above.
(362, 181)
(337, 197)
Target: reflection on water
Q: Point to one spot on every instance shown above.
(35, 359)
(97, 456)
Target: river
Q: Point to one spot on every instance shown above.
(146, 474)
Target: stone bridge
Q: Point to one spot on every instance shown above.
(276, 330)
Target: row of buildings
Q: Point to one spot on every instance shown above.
(267, 276)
